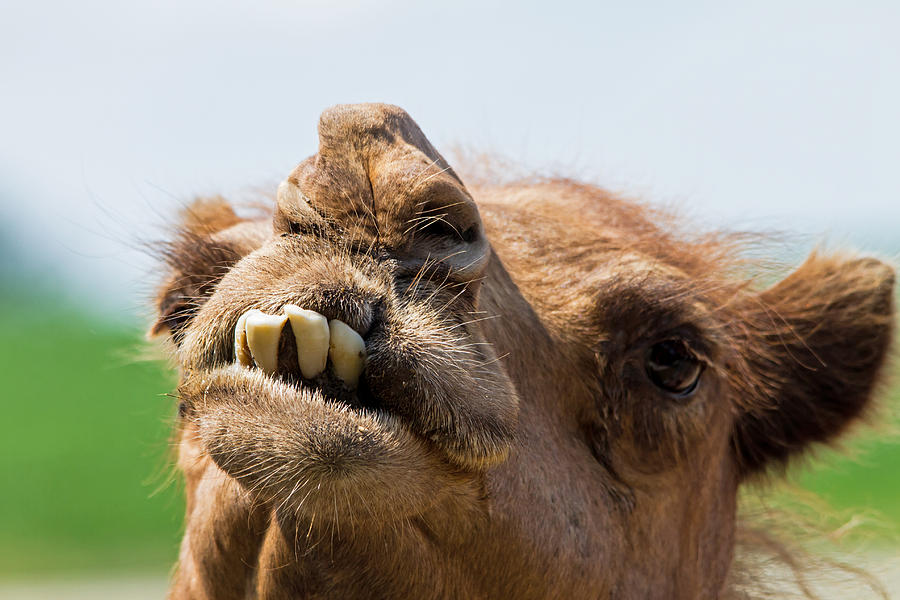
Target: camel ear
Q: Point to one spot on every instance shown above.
(819, 340)
(206, 216)
(210, 239)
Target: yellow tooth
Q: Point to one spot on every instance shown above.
(241, 349)
(263, 333)
(312, 337)
(347, 352)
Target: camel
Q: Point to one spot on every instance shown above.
(393, 385)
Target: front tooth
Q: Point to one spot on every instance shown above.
(241, 349)
(263, 333)
(312, 337)
(347, 352)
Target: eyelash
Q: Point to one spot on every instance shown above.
(441, 228)
(295, 228)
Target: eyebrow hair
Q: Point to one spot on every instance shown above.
(630, 310)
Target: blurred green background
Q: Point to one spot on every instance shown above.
(84, 455)
(86, 463)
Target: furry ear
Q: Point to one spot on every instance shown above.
(818, 342)
(206, 216)
(210, 240)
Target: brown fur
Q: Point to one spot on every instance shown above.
(513, 445)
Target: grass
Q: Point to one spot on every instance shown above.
(84, 451)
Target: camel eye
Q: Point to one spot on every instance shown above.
(672, 367)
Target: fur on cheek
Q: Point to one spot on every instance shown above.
(448, 384)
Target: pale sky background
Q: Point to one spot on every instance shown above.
(754, 114)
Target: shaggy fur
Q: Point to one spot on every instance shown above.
(507, 441)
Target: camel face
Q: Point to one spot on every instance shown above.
(398, 386)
